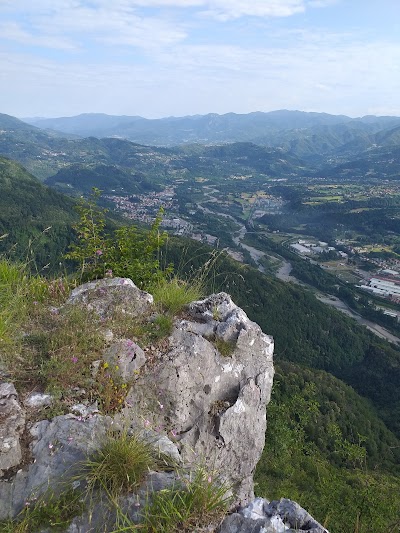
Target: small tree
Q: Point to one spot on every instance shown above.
(135, 254)
(127, 252)
(91, 247)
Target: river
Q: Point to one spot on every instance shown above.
(283, 273)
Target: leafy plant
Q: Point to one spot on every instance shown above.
(198, 502)
(126, 252)
(136, 254)
(92, 243)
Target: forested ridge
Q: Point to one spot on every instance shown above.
(35, 221)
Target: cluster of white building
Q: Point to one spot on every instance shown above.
(308, 248)
(384, 286)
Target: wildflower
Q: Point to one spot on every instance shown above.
(74, 359)
(147, 423)
(209, 479)
(51, 446)
(35, 302)
(173, 433)
(99, 253)
(109, 273)
(160, 404)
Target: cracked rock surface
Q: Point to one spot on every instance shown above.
(215, 405)
(12, 424)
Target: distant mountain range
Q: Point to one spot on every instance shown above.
(281, 144)
(74, 165)
(308, 135)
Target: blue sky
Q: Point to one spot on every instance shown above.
(158, 58)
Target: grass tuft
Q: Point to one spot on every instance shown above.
(175, 294)
(50, 511)
(119, 466)
(201, 501)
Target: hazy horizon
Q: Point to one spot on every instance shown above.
(31, 117)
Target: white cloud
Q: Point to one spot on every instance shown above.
(14, 32)
(232, 9)
(67, 21)
(322, 3)
(69, 24)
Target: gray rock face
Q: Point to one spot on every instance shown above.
(111, 295)
(12, 425)
(215, 406)
(127, 355)
(191, 402)
(56, 447)
(102, 517)
(262, 516)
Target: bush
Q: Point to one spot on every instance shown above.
(125, 252)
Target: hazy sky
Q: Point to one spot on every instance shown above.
(178, 57)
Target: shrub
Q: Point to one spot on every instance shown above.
(125, 252)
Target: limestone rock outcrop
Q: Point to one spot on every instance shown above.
(214, 405)
(109, 296)
(12, 425)
(262, 516)
(199, 396)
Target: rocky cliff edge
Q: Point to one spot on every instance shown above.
(195, 404)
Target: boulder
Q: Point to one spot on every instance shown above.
(127, 356)
(110, 296)
(262, 516)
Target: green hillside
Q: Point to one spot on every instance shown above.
(35, 221)
(79, 179)
(74, 165)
